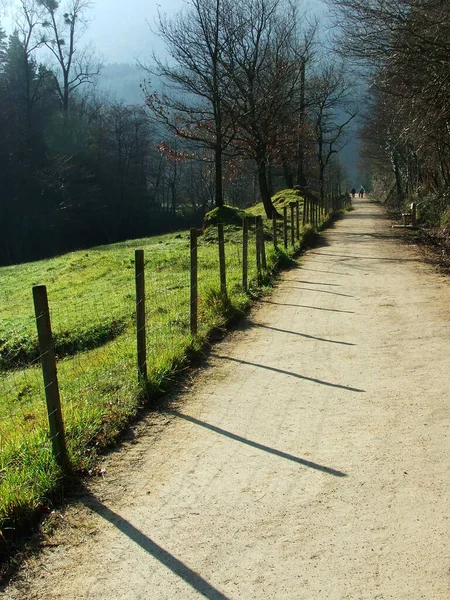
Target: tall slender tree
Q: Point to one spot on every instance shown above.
(62, 32)
(331, 110)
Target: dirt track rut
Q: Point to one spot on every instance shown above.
(309, 460)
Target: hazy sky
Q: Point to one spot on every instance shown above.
(120, 30)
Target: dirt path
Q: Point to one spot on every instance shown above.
(311, 460)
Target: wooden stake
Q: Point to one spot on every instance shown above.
(244, 254)
(292, 206)
(194, 282)
(262, 244)
(140, 314)
(50, 375)
(258, 250)
(222, 264)
(274, 231)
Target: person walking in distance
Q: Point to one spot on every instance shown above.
(353, 192)
(361, 192)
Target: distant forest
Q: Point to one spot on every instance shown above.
(243, 107)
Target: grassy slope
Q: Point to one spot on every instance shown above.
(91, 297)
(97, 375)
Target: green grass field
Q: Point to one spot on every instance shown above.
(92, 305)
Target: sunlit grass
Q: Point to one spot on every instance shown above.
(92, 305)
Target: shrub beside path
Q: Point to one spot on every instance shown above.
(309, 460)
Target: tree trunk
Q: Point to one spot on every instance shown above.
(288, 178)
(264, 189)
(29, 101)
(65, 97)
(321, 170)
(398, 181)
(269, 179)
(321, 184)
(219, 181)
(301, 179)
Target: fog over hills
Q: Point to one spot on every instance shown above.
(123, 81)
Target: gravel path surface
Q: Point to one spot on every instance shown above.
(309, 460)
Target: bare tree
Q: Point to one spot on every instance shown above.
(404, 45)
(28, 20)
(61, 35)
(331, 110)
(195, 74)
(264, 60)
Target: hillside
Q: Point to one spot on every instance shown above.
(92, 307)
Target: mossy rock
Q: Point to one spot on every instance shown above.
(228, 215)
(284, 197)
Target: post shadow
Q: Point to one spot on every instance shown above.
(314, 282)
(294, 287)
(348, 312)
(305, 335)
(381, 258)
(290, 373)
(238, 438)
(328, 272)
(168, 560)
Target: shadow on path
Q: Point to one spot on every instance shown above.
(290, 373)
(400, 260)
(152, 548)
(305, 335)
(238, 438)
(376, 236)
(357, 214)
(312, 282)
(347, 312)
(328, 272)
(295, 287)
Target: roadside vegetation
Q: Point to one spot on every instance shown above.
(405, 139)
(250, 107)
(91, 297)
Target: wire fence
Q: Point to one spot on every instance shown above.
(94, 336)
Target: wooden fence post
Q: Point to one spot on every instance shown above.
(262, 244)
(50, 374)
(258, 250)
(140, 314)
(297, 208)
(274, 231)
(222, 264)
(194, 281)
(292, 206)
(244, 254)
(285, 233)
